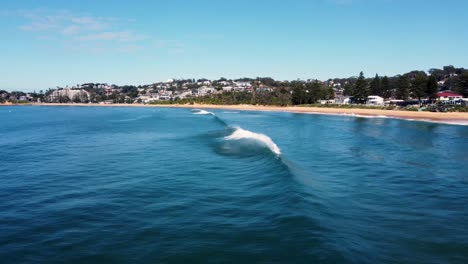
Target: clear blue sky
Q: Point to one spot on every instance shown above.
(56, 43)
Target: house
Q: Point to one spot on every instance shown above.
(184, 95)
(448, 96)
(224, 83)
(326, 101)
(164, 98)
(70, 93)
(227, 88)
(340, 99)
(205, 90)
(375, 100)
(239, 88)
(264, 89)
(243, 84)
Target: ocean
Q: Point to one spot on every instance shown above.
(160, 185)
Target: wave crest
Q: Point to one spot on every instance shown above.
(240, 134)
(201, 112)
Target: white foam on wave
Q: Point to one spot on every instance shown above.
(266, 141)
(201, 112)
(369, 116)
(446, 122)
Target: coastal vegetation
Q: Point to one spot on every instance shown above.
(418, 88)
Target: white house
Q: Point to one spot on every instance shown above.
(205, 90)
(243, 84)
(224, 83)
(227, 88)
(375, 100)
(448, 96)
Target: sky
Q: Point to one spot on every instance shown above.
(49, 43)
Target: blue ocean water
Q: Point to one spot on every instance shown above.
(157, 185)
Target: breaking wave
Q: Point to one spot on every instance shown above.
(201, 112)
(369, 116)
(251, 137)
(241, 142)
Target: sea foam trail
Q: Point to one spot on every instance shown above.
(240, 134)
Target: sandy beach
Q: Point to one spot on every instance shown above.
(449, 117)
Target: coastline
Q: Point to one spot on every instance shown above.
(448, 117)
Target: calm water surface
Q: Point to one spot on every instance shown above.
(155, 185)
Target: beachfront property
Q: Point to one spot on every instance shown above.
(448, 96)
(68, 94)
(375, 100)
(374, 92)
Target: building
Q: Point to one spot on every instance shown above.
(205, 90)
(375, 100)
(227, 88)
(70, 93)
(243, 84)
(448, 96)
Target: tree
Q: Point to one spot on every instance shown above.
(375, 86)
(437, 73)
(385, 88)
(348, 89)
(64, 99)
(432, 88)
(449, 69)
(314, 92)
(76, 99)
(361, 89)
(462, 85)
(418, 86)
(402, 88)
(299, 95)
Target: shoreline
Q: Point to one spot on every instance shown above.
(460, 118)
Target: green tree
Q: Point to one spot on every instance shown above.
(314, 92)
(64, 99)
(361, 89)
(76, 99)
(299, 95)
(418, 86)
(402, 88)
(385, 87)
(375, 86)
(348, 89)
(462, 84)
(432, 88)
